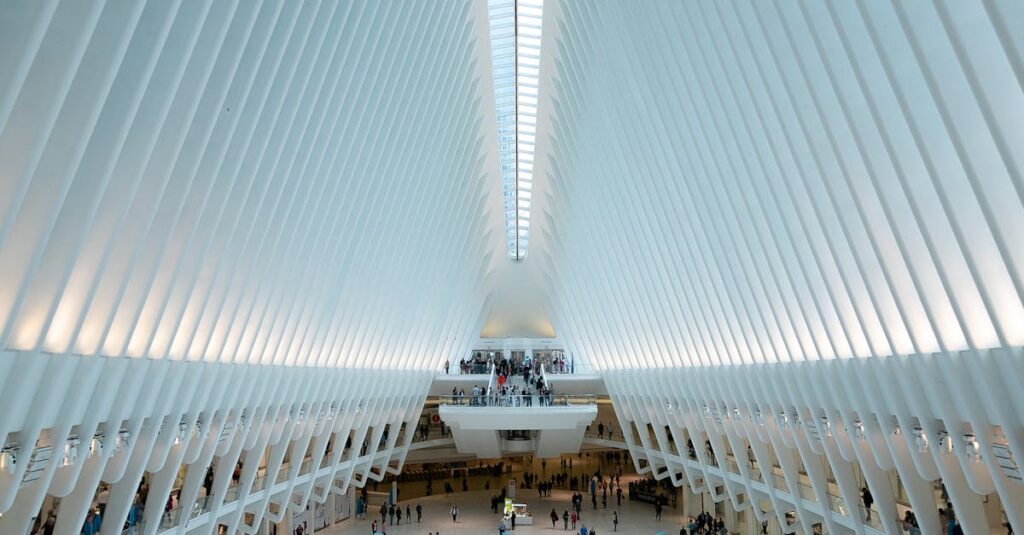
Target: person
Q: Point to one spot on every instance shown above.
(657, 510)
(398, 514)
(600, 430)
(618, 496)
(133, 514)
(565, 521)
(102, 499)
(554, 518)
(373, 527)
(574, 518)
(615, 521)
(455, 513)
(51, 521)
(408, 514)
(583, 530)
(446, 364)
(513, 519)
(391, 514)
(419, 513)
(865, 495)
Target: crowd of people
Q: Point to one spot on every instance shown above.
(706, 524)
(505, 394)
(602, 430)
(480, 362)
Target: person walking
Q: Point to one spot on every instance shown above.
(391, 514)
(554, 518)
(615, 521)
(455, 513)
(398, 514)
(657, 511)
(513, 519)
(565, 521)
(575, 517)
(419, 513)
(865, 495)
(408, 514)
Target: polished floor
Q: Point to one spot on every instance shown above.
(476, 518)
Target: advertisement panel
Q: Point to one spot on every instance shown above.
(298, 522)
(342, 506)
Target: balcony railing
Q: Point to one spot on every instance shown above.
(520, 401)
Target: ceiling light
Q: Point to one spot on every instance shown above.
(920, 440)
(96, 444)
(182, 433)
(858, 430)
(122, 440)
(945, 442)
(972, 450)
(9, 458)
(70, 452)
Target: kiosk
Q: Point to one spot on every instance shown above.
(523, 516)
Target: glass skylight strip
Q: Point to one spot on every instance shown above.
(515, 56)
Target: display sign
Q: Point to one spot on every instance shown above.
(321, 519)
(298, 522)
(342, 506)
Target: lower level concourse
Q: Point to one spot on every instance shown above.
(476, 516)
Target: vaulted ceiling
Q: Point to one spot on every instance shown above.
(307, 183)
(737, 182)
(317, 183)
(219, 219)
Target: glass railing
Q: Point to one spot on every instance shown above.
(876, 519)
(838, 504)
(608, 434)
(537, 400)
(205, 504)
(471, 367)
(568, 367)
(807, 493)
(200, 506)
(776, 480)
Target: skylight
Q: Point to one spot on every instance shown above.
(515, 56)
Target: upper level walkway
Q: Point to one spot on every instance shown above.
(555, 421)
(518, 401)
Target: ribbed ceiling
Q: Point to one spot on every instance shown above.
(264, 182)
(735, 182)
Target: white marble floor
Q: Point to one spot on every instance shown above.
(476, 518)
